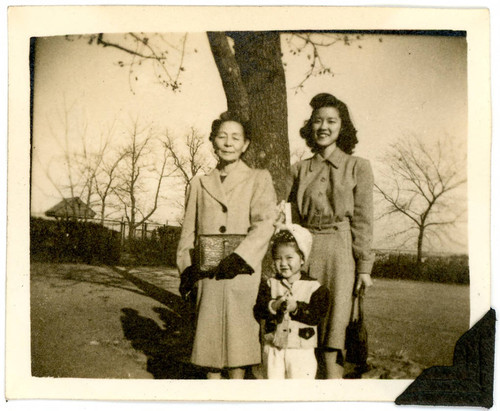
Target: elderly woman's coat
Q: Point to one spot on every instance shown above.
(227, 334)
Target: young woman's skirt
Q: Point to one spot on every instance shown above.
(331, 262)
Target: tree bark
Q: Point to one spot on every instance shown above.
(236, 94)
(259, 57)
(254, 80)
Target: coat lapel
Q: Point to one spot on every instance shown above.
(240, 173)
(212, 184)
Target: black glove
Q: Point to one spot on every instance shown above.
(231, 266)
(189, 277)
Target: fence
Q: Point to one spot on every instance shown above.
(143, 231)
(67, 240)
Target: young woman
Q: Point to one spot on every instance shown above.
(231, 199)
(332, 195)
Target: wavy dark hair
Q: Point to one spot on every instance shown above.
(347, 139)
(227, 116)
(284, 237)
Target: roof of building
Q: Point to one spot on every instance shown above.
(71, 208)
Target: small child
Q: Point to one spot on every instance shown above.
(292, 305)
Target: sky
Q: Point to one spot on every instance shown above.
(395, 86)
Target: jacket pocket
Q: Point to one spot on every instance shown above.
(306, 333)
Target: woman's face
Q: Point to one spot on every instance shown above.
(326, 126)
(230, 142)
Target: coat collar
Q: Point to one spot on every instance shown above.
(313, 167)
(239, 174)
(218, 190)
(288, 285)
(336, 158)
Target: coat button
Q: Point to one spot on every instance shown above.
(224, 209)
(323, 179)
(222, 229)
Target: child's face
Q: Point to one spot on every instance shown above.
(287, 261)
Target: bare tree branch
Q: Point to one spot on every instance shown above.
(417, 186)
(190, 158)
(153, 48)
(310, 44)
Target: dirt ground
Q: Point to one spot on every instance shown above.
(112, 322)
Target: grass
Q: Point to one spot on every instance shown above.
(416, 320)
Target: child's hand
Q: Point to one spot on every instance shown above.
(291, 305)
(279, 303)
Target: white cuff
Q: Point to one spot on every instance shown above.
(270, 306)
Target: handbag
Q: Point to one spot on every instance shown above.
(212, 248)
(356, 341)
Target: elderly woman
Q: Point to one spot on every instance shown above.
(231, 199)
(332, 196)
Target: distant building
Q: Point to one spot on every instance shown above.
(71, 208)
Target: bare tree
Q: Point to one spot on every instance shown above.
(190, 157)
(252, 72)
(90, 162)
(105, 181)
(419, 182)
(79, 159)
(140, 175)
(299, 154)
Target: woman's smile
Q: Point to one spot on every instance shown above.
(326, 126)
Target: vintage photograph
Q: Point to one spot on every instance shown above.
(281, 203)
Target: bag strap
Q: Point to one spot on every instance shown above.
(360, 303)
(357, 304)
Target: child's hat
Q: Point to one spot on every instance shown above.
(302, 236)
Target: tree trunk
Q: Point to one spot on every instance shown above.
(419, 251)
(258, 57)
(103, 209)
(229, 71)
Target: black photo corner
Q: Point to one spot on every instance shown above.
(469, 381)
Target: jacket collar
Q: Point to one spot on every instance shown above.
(286, 283)
(218, 190)
(336, 158)
(239, 174)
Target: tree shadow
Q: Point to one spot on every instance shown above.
(172, 301)
(80, 273)
(168, 349)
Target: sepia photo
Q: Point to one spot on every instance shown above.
(164, 162)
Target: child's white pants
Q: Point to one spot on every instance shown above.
(290, 363)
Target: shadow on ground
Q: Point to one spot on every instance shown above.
(79, 273)
(167, 349)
